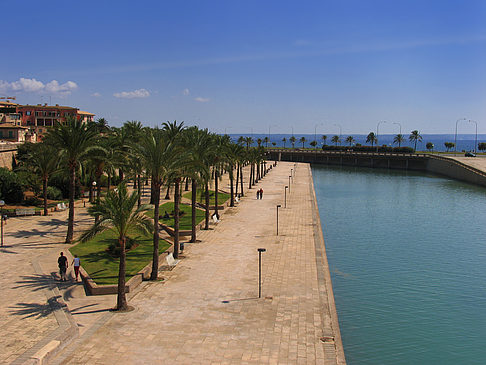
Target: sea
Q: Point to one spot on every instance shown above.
(465, 142)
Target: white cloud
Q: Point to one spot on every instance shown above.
(140, 93)
(96, 95)
(185, 92)
(202, 100)
(33, 85)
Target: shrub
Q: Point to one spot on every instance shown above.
(114, 248)
(32, 201)
(11, 190)
(62, 183)
(54, 193)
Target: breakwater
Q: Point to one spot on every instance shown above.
(402, 161)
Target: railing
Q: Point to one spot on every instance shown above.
(349, 153)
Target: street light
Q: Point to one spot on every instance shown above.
(289, 183)
(94, 188)
(315, 134)
(2, 203)
(377, 126)
(399, 126)
(476, 139)
(455, 136)
(260, 250)
(340, 129)
(278, 206)
(286, 187)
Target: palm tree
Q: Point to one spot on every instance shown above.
(266, 140)
(292, 140)
(74, 140)
(259, 142)
(44, 161)
(350, 140)
(313, 144)
(324, 139)
(198, 146)
(335, 139)
(429, 146)
(118, 213)
(399, 139)
(302, 140)
(371, 138)
(233, 153)
(248, 141)
(284, 140)
(155, 151)
(415, 137)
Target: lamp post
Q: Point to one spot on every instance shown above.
(94, 190)
(289, 183)
(315, 134)
(476, 139)
(286, 187)
(2, 203)
(455, 136)
(260, 250)
(399, 124)
(377, 126)
(278, 206)
(340, 129)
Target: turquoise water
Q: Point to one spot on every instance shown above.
(407, 254)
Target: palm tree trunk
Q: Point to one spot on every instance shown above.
(90, 196)
(139, 187)
(44, 194)
(193, 210)
(237, 177)
(241, 180)
(72, 186)
(155, 258)
(121, 175)
(176, 216)
(206, 223)
(251, 175)
(121, 302)
(186, 188)
(232, 190)
(167, 194)
(216, 188)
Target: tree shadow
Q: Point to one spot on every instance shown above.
(29, 310)
(36, 282)
(32, 232)
(5, 250)
(53, 222)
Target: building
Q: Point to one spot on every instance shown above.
(39, 118)
(16, 133)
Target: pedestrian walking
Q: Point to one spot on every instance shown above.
(62, 262)
(261, 193)
(258, 194)
(76, 264)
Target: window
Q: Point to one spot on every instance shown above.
(28, 113)
(1, 134)
(10, 134)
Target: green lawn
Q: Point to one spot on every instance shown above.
(103, 268)
(222, 197)
(185, 220)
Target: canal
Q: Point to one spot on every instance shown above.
(407, 255)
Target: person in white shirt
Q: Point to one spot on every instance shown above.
(76, 263)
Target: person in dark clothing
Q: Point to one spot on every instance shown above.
(62, 262)
(261, 193)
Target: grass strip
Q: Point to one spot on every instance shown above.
(103, 268)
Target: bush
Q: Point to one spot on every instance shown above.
(11, 189)
(62, 183)
(114, 248)
(54, 193)
(33, 201)
(359, 148)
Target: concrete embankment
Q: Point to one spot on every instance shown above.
(472, 170)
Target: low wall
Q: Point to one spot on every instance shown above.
(455, 170)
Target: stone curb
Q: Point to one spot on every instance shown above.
(332, 341)
(58, 339)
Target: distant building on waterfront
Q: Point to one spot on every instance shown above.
(35, 120)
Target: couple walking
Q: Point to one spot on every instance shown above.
(260, 194)
(62, 262)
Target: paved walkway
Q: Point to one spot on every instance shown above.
(207, 309)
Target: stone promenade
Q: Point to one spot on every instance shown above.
(206, 310)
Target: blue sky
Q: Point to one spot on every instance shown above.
(244, 66)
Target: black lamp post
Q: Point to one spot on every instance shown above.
(260, 250)
(289, 183)
(278, 206)
(286, 187)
